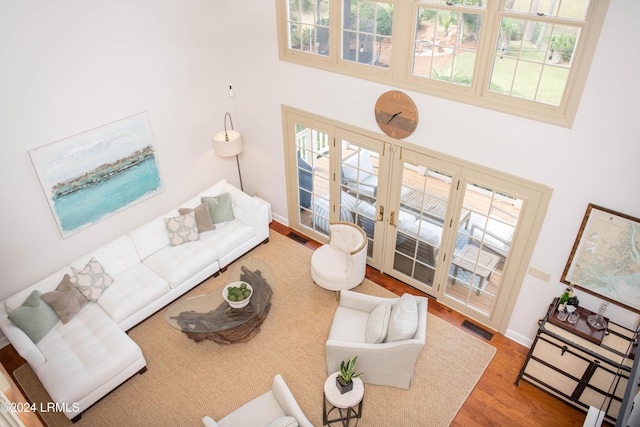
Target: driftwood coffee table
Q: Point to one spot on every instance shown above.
(209, 316)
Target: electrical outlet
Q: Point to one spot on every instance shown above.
(538, 274)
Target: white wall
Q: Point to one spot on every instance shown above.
(73, 65)
(594, 162)
(70, 66)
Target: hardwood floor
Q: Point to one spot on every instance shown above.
(495, 401)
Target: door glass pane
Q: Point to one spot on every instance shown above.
(483, 241)
(359, 167)
(423, 207)
(312, 148)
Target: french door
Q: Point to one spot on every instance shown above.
(456, 231)
(334, 174)
(420, 213)
(452, 231)
(362, 187)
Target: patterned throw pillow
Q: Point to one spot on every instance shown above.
(182, 229)
(66, 299)
(203, 217)
(92, 280)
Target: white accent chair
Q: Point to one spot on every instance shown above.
(271, 407)
(383, 363)
(342, 263)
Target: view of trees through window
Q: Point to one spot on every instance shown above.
(309, 26)
(446, 45)
(505, 54)
(366, 32)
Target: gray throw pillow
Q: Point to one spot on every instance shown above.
(35, 317)
(203, 217)
(220, 207)
(66, 299)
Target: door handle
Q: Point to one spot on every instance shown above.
(392, 218)
(381, 213)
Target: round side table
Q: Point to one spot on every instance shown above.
(344, 403)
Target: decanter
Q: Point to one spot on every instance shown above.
(597, 321)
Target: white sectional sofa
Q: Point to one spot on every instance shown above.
(82, 360)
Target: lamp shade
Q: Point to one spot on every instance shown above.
(227, 143)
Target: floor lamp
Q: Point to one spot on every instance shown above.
(228, 143)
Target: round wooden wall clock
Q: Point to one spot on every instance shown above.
(396, 114)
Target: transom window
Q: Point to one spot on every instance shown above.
(308, 26)
(523, 57)
(446, 45)
(366, 32)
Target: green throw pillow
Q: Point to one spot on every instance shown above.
(219, 207)
(35, 317)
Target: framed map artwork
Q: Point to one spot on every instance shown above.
(605, 259)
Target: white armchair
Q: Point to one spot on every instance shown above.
(268, 408)
(342, 263)
(384, 363)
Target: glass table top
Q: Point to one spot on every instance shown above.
(209, 312)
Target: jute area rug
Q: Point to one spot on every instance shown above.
(187, 380)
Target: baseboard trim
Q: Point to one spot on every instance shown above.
(520, 339)
(282, 220)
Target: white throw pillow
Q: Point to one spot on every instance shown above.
(378, 323)
(403, 323)
(283, 422)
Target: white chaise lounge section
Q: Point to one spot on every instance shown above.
(78, 362)
(91, 355)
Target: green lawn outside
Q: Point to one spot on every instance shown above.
(527, 74)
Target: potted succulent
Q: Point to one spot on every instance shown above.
(344, 380)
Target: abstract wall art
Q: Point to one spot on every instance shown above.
(92, 175)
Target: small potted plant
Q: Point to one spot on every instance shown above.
(344, 380)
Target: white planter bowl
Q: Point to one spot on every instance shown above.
(236, 304)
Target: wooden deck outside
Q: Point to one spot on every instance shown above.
(477, 200)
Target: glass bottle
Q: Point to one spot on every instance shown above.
(597, 321)
(564, 298)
